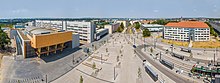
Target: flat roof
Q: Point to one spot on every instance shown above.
(41, 30)
(22, 35)
(152, 25)
(188, 24)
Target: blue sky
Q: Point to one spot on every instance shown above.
(109, 8)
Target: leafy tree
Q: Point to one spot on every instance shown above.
(212, 31)
(93, 65)
(117, 58)
(129, 24)
(4, 39)
(106, 49)
(81, 79)
(146, 33)
(139, 72)
(161, 22)
(137, 25)
(120, 28)
(151, 50)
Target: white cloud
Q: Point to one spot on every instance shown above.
(195, 10)
(19, 11)
(155, 11)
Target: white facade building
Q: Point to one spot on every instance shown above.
(153, 27)
(186, 31)
(126, 23)
(86, 30)
(112, 27)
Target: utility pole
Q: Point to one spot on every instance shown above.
(114, 73)
(160, 55)
(73, 60)
(214, 59)
(134, 41)
(46, 78)
(101, 58)
(144, 45)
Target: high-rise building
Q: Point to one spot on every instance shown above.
(86, 30)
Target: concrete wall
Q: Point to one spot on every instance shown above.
(75, 40)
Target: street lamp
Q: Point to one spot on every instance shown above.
(114, 73)
(73, 60)
(101, 58)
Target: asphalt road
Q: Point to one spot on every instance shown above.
(170, 74)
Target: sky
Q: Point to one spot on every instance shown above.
(109, 8)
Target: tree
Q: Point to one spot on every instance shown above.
(117, 58)
(151, 50)
(4, 39)
(93, 65)
(120, 28)
(106, 49)
(212, 31)
(137, 25)
(139, 72)
(146, 33)
(81, 79)
(161, 22)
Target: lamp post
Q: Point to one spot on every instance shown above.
(144, 45)
(73, 60)
(101, 58)
(114, 73)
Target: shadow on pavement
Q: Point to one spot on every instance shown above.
(53, 57)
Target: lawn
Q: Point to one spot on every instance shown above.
(208, 44)
(179, 43)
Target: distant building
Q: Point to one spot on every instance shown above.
(86, 30)
(186, 31)
(19, 26)
(44, 41)
(112, 27)
(125, 22)
(153, 27)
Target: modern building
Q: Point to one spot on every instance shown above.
(112, 27)
(44, 41)
(153, 27)
(101, 33)
(86, 30)
(50, 24)
(19, 26)
(186, 31)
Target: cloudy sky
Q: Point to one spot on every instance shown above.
(109, 8)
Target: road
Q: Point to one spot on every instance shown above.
(170, 74)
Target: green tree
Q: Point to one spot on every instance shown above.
(81, 79)
(137, 25)
(146, 33)
(93, 65)
(4, 39)
(161, 22)
(139, 72)
(120, 28)
(151, 50)
(212, 31)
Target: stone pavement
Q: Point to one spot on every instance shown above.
(126, 66)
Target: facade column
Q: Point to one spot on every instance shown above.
(55, 49)
(39, 51)
(48, 50)
(62, 45)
